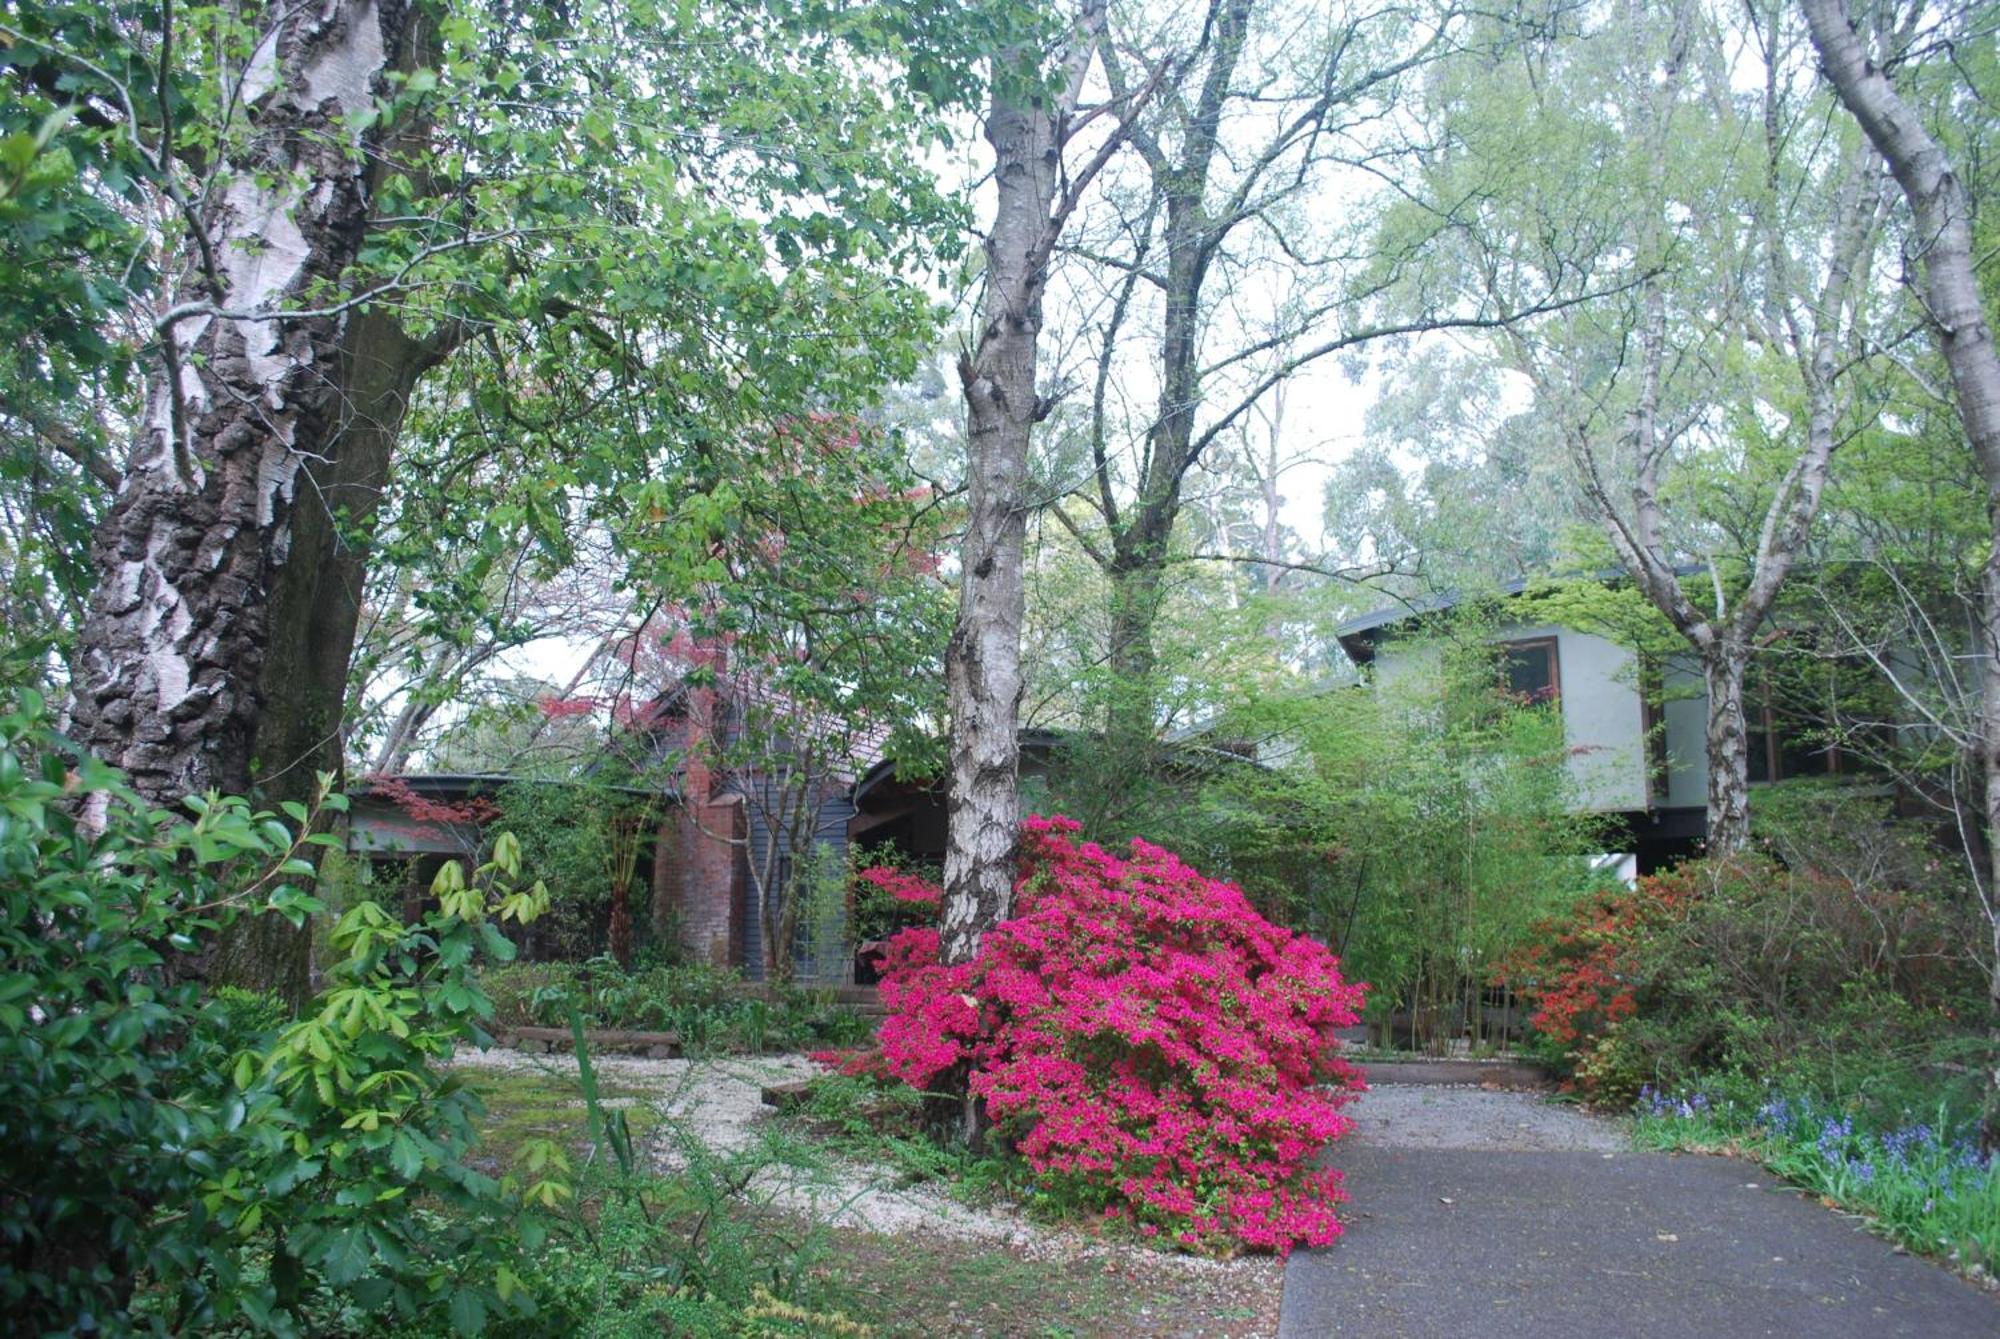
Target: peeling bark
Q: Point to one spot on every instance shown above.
(1722, 670)
(1026, 129)
(215, 650)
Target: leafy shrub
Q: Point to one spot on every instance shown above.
(1146, 1041)
(180, 1164)
(1838, 979)
(707, 1006)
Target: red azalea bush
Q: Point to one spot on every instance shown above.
(1581, 972)
(1155, 1049)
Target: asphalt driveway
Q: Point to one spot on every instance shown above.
(1487, 1213)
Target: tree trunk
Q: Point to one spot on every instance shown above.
(1989, 766)
(983, 660)
(1131, 715)
(1943, 245)
(1140, 539)
(1722, 670)
(215, 650)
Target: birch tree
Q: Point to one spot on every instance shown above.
(1743, 246)
(1034, 117)
(1857, 61)
(357, 193)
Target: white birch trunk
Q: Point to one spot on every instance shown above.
(1943, 243)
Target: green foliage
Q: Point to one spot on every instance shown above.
(710, 1008)
(1420, 825)
(565, 835)
(1913, 1172)
(1829, 963)
(877, 912)
(72, 258)
(633, 1251)
(180, 1164)
(869, 1118)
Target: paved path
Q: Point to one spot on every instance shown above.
(1483, 1213)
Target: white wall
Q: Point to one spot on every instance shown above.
(1603, 718)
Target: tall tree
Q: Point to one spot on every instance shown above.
(1742, 249)
(1236, 157)
(202, 649)
(1858, 66)
(362, 191)
(1034, 115)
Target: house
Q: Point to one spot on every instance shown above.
(719, 854)
(910, 814)
(1634, 727)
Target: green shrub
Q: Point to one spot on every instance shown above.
(180, 1164)
(1843, 976)
(708, 1007)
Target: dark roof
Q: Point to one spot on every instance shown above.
(476, 783)
(1358, 636)
(1429, 604)
(1182, 756)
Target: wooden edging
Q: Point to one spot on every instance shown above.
(784, 1096)
(540, 1040)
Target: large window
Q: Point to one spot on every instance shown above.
(1530, 671)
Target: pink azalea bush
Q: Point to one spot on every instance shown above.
(1156, 1050)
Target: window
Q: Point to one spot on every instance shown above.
(1781, 747)
(1529, 670)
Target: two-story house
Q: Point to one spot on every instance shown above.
(1634, 727)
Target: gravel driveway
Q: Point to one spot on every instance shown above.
(1408, 1116)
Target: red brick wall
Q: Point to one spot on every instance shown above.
(710, 835)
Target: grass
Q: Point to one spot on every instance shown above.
(701, 1251)
(1919, 1182)
(882, 1124)
(919, 1286)
(526, 1105)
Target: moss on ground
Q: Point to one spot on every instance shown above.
(530, 1104)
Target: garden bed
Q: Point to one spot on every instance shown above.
(925, 1254)
(1522, 1075)
(599, 1041)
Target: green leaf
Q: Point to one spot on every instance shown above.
(405, 1157)
(468, 1312)
(345, 1257)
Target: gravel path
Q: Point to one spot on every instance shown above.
(718, 1101)
(1407, 1116)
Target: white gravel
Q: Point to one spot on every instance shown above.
(1414, 1116)
(717, 1104)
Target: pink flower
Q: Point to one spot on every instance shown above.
(1145, 1039)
